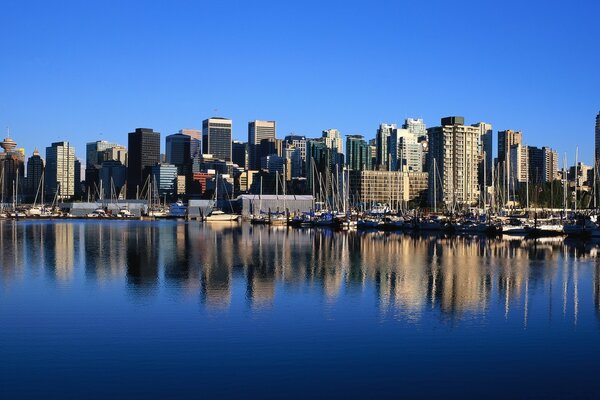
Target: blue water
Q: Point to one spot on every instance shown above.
(144, 310)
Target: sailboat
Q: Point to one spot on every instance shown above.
(216, 214)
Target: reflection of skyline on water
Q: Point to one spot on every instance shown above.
(409, 275)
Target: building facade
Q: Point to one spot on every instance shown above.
(216, 137)
(453, 163)
(144, 152)
(392, 188)
(258, 131)
(358, 153)
(60, 171)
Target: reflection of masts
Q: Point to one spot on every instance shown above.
(526, 309)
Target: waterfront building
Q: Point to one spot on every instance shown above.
(382, 151)
(296, 162)
(453, 163)
(216, 137)
(373, 146)
(239, 153)
(506, 139)
(165, 178)
(113, 176)
(273, 163)
(12, 169)
(579, 175)
(405, 151)
(543, 164)
(144, 152)
(322, 162)
(257, 132)
(35, 171)
(60, 171)
(519, 166)
(358, 153)
(485, 152)
(178, 152)
(393, 188)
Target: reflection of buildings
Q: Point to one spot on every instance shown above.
(410, 275)
(142, 261)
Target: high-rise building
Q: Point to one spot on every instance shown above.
(12, 169)
(113, 175)
(393, 188)
(382, 157)
(519, 165)
(506, 139)
(298, 142)
(178, 152)
(195, 141)
(415, 126)
(358, 153)
(453, 162)
(486, 157)
(239, 153)
(322, 163)
(60, 170)
(257, 132)
(35, 170)
(95, 154)
(216, 137)
(333, 140)
(144, 152)
(404, 151)
(165, 176)
(543, 164)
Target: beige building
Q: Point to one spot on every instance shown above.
(454, 155)
(519, 165)
(387, 187)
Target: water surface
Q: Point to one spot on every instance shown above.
(98, 309)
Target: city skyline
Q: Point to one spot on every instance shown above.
(89, 86)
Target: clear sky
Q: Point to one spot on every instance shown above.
(89, 70)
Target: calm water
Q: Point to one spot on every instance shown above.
(165, 309)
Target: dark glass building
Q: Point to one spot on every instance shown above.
(143, 153)
(216, 137)
(35, 170)
(179, 153)
(239, 154)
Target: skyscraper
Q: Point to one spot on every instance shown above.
(60, 170)
(383, 133)
(144, 152)
(195, 141)
(178, 152)
(543, 164)
(257, 132)
(453, 162)
(485, 164)
(333, 140)
(12, 168)
(216, 137)
(239, 154)
(506, 139)
(35, 170)
(358, 153)
(404, 151)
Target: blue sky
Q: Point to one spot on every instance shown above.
(89, 70)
